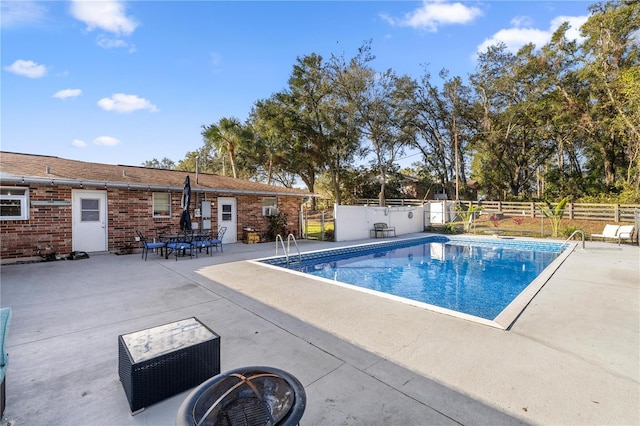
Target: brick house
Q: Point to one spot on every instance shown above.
(61, 205)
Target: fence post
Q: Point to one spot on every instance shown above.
(533, 209)
(570, 210)
(616, 213)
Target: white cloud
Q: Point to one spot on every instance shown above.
(516, 37)
(27, 68)
(575, 22)
(521, 21)
(67, 93)
(434, 14)
(106, 15)
(78, 143)
(106, 141)
(121, 102)
(114, 43)
(16, 13)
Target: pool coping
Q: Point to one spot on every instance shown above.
(504, 320)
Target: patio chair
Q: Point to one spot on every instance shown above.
(5, 318)
(625, 232)
(202, 241)
(216, 240)
(179, 244)
(609, 231)
(149, 245)
(382, 230)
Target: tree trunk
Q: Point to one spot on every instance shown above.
(232, 159)
(335, 180)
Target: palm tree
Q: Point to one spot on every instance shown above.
(227, 137)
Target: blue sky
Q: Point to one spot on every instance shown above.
(125, 82)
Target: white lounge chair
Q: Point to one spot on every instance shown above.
(610, 231)
(625, 232)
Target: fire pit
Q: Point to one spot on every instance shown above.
(245, 396)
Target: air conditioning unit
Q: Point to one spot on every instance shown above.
(269, 211)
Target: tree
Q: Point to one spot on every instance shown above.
(374, 101)
(204, 160)
(328, 128)
(443, 128)
(305, 129)
(270, 150)
(612, 57)
(165, 163)
(228, 137)
(566, 105)
(514, 138)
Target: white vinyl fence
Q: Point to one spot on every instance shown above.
(356, 222)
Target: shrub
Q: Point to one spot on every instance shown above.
(329, 235)
(554, 214)
(452, 228)
(467, 215)
(277, 225)
(566, 232)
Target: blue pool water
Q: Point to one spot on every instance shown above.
(475, 277)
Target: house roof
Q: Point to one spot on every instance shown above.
(30, 168)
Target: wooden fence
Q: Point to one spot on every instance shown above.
(585, 211)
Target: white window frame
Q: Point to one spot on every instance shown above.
(166, 194)
(269, 206)
(23, 197)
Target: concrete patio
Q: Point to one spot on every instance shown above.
(573, 356)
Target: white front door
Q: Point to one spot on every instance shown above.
(227, 217)
(89, 218)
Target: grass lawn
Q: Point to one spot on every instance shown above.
(313, 230)
(514, 226)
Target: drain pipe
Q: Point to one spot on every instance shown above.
(197, 158)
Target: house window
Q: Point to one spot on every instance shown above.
(269, 206)
(14, 203)
(89, 210)
(161, 204)
(227, 214)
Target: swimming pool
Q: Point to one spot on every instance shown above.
(485, 280)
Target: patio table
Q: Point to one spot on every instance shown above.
(159, 362)
(183, 241)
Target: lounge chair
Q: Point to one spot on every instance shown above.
(625, 232)
(5, 319)
(609, 231)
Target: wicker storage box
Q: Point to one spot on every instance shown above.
(160, 362)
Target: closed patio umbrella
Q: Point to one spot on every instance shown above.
(185, 219)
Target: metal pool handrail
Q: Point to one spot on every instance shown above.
(288, 249)
(580, 231)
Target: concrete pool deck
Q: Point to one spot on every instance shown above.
(572, 357)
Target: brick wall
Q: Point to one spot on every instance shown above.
(50, 227)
